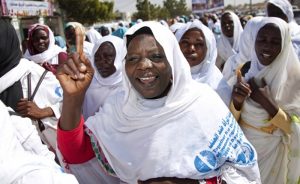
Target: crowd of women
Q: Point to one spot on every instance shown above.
(154, 104)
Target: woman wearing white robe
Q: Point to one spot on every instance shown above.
(189, 133)
(100, 85)
(50, 58)
(229, 46)
(14, 87)
(245, 49)
(23, 157)
(275, 139)
(207, 71)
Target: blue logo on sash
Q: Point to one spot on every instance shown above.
(228, 144)
(58, 91)
(205, 162)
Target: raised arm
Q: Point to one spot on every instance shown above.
(75, 76)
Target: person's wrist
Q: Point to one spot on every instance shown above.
(270, 107)
(237, 105)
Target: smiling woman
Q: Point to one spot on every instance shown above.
(268, 102)
(42, 49)
(164, 127)
(198, 44)
(147, 67)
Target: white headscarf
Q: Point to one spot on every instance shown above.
(225, 49)
(117, 76)
(246, 46)
(287, 9)
(174, 27)
(168, 137)
(50, 55)
(278, 161)
(207, 71)
(93, 35)
(104, 86)
(283, 74)
(22, 160)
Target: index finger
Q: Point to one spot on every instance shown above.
(239, 76)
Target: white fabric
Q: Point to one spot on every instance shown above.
(184, 134)
(277, 161)
(91, 173)
(49, 93)
(287, 9)
(246, 46)
(88, 49)
(23, 158)
(50, 55)
(174, 27)
(225, 49)
(100, 88)
(207, 71)
(93, 35)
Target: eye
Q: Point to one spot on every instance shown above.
(132, 59)
(199, 45)
(276, 42)
(157, 57)
(184, 43)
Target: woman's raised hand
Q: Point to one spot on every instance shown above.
(75, 75)
(241, 91)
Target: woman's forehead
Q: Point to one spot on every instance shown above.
(143, 41)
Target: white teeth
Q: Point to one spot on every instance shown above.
(146, 78)
(266, 55)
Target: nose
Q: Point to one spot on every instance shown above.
(145, 64)
(191, 47)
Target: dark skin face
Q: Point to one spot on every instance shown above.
(147, 67)
(193, 46)
(227, 25)
(268, 44)
(40, 41)
(105, 58)
(274, 11)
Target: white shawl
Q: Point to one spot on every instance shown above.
(93, 35)
(22, 158)
(207, 71)
(277, 153)
(50, 55)
(168, 137)
(245, 49)
(49, 93)
(287, 9)
(225, 49)
(104, 86)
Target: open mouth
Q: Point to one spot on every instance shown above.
(148, 81)
(266, 56)
(191, 56)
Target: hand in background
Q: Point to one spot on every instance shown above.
(31, 110)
